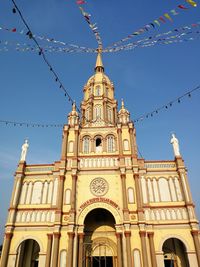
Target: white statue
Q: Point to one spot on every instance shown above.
(175, 144)
(99, 148)
(24, 150)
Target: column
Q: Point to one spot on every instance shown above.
(64, 143)
(144, 248)
(124, 196)
(70, 250)
(80, 249)
(138, 197)
(73, 194)
(6, 248)
(60, 192)
(119, 249)
(105, 111)
(128, 248)
(76, 143)
(49, 247)
(195, 235)
(56, 237)
(152, 249)
(119, 131)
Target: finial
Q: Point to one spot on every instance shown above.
(74, 106)
(99, 64)
(122, 103)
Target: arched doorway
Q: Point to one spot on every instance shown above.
(28, 254)
(99, 246)
(175, 253)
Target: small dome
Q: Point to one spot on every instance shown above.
(123, 110)
(98, 77)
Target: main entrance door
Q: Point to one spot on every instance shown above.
(102, 262)
(99, 245)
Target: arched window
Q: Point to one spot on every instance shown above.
(86, 144)
(126, 144)
(63, 257)
(164, 189)
(131, 198)
(90, 91)
(136, 258)
(110, 143)
(37, 193)
(107, 90)
(98, 143)
(97, 90)
(67, 196)
(71, 147)
(87, 114)
(97, 112)
(109, 114)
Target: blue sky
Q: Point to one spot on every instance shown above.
(145, 77)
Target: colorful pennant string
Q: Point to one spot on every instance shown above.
(93, 26)
(161, 41)
(156, 22)
(182, 31)
(44, 38)
(183, 34)
(166, 106)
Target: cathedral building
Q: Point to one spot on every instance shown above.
(101, 204)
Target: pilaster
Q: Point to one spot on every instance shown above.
(144, 248)
(49, 249)
(195, 235)
(70, 249)
(6, 248)
(119, 249)
(128, 248)
(152, 249)
(56, 237)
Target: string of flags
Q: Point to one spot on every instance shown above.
(141, 118)
(149, 41)
(93, 26)
(166, 106)
(42, 38)
(23, 47)
(165, 38)
(143, 43)
(157, 22)
(41, 53)
(183, 34)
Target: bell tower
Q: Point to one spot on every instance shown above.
(99, 105)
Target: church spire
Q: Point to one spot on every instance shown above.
(99, 64)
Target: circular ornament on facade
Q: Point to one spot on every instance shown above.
(99, 186)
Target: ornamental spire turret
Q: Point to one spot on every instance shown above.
(99, 64)
(73, 118)
(123, 114)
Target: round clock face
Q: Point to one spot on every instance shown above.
(99, 186)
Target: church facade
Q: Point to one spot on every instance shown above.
(101, 204)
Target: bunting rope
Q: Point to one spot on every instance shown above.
(27, 47)
(182, 30)
(157, 22)
(159, 39)
(141, 118)
(41, 53)
(44, 38)
(145, 42)
(167, 105)
(178, 38)
(93, 26)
